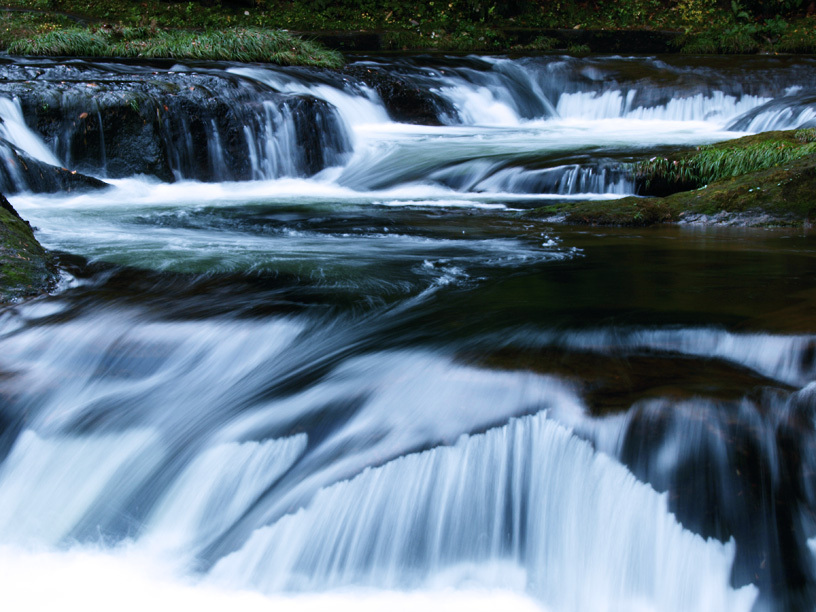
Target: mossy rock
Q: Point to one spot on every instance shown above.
(26, 269)
(783, 194)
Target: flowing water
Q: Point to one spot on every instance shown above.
(272, 379)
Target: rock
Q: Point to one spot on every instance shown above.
(174, 124)
(405, 101)
(26, 269)
(19, 172)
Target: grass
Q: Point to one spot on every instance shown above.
(716, 162)
(236, 44)
(450, 25)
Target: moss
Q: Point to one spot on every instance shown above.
(26, 269)
(786, 193)
(631, 211)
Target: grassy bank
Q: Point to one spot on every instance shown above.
(708, 164)
(151, 30)
(768, 179)
(235, 44)
(154, 28)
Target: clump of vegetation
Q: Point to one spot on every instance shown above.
(800, 38)
(71, 41)
(578, 50)
(749, 36)
(805, 135)
(236, 44)
(712, 163)
(709, 26)
(540, 43)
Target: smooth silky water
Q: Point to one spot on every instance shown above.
(382, 385)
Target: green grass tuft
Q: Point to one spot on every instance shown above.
(234, 44)
(805, 135)
(710, 164)
(578, 50)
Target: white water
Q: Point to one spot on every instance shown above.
(217, 488)
(497, 513)
(472, 512)
(14, 130)
(783, 358)
(99, 580)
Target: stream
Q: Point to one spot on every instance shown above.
(307, 352)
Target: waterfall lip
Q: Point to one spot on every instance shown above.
(740, 348)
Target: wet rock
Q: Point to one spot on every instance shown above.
(117, 122)
(322, 142)
(405, 101)
(19, 172)
(741, 470)
(26, 269)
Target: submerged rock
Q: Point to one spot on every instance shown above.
(26, 269)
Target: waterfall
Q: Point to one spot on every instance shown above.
(217, 488)
(49, 485)
(14, 130)
(523, 503)
(788, 359)
(265, 124)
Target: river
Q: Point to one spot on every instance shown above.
(303, 355)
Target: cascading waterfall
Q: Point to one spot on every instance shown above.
(264, 124)
(307, 353)
(507, 497)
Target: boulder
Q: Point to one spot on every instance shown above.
(19, 172)
(405, 101)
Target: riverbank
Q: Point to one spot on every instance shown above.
(311, 33)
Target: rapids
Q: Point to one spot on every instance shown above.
(306, 356)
